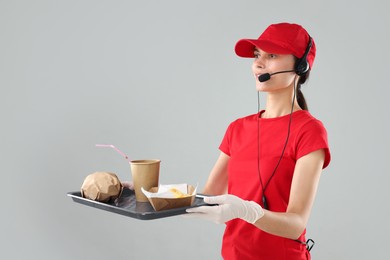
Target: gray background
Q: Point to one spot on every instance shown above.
(159, 79)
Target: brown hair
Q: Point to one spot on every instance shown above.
(300, 98)
(302, 79)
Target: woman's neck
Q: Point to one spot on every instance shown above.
(279, 105)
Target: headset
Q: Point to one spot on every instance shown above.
(302, 65)
(300, 68)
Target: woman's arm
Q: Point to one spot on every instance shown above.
(218, 179)
(302, 194)
(289, 224)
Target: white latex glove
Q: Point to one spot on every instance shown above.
(229, 207)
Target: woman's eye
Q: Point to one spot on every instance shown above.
(272, 56)
(257, 55)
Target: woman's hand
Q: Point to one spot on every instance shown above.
(128, 184)
(229, 207)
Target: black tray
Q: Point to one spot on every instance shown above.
(127, 206)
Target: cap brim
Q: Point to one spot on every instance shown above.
(245, 47)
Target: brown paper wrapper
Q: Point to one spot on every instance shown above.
(101, 186)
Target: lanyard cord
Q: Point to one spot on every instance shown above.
(264, 200)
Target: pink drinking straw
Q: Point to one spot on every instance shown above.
(116, 149)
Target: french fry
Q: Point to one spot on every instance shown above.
(178, 194)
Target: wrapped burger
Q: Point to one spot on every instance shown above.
(101, 186)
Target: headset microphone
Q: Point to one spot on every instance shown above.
(266, 76)
(301, 67)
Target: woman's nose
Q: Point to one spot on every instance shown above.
(259, 62)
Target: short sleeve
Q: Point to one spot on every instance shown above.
(225, 145)
(313, 136)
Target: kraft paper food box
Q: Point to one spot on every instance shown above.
(171, 196)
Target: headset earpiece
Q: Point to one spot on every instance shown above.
(302, 65)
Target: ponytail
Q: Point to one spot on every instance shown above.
(300, 98)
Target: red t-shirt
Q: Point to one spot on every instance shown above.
(307, 134)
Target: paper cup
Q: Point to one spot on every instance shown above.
(145, 174)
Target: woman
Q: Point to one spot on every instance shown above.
(265, 179)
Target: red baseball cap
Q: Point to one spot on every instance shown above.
(281, 38)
